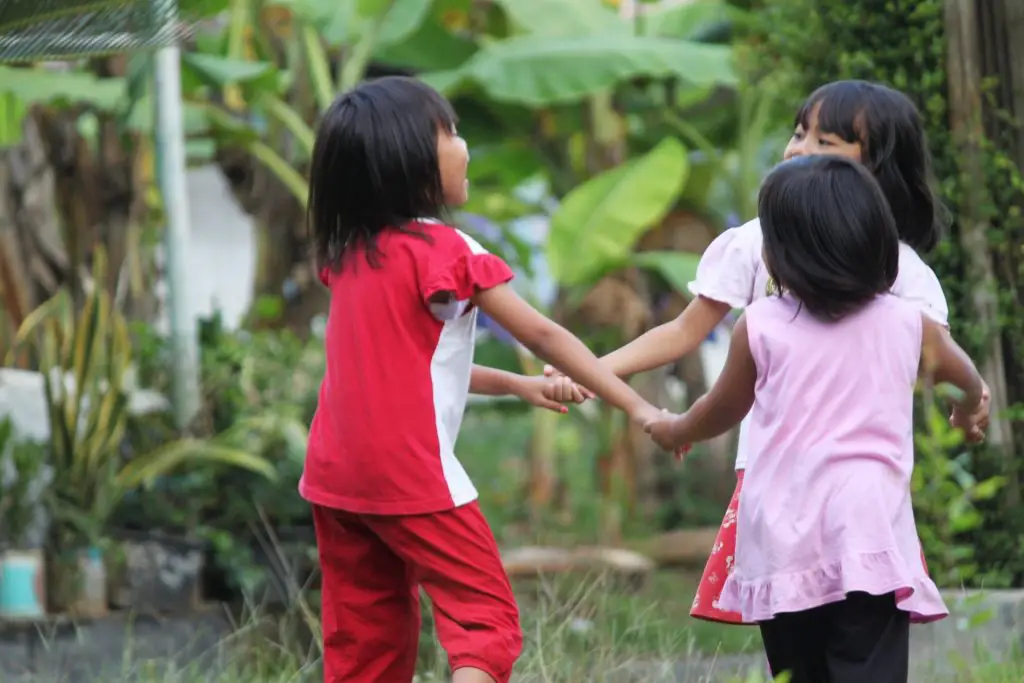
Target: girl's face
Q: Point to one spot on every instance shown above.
(811, 141)
(452, 161)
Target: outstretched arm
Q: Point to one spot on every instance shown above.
(554, 343)
(942, 360)
(670, 341)
(722, 408)
(667, 342)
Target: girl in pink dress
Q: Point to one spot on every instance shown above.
(827, 555)
(865, 122)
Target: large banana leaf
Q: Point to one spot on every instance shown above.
(398, 19)
(598, 222)
(430, 48)
(563, 18)
(688, 20)
(541, 70)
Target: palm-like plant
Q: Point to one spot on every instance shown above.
(85, 355)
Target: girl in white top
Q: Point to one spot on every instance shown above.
(867, 122)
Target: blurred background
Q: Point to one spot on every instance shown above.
(161, 325)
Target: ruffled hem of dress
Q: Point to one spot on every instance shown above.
(876, 573)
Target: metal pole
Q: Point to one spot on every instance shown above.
(170, 141)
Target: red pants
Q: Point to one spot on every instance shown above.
(373, 567)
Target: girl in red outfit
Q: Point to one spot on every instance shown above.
(393, 508)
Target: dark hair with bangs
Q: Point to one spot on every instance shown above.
(894, 148)
(830, 239)
(375, 167)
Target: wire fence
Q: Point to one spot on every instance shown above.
(40, 30)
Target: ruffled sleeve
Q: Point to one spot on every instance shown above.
(459, 265)
(728, 269)
(917, 284)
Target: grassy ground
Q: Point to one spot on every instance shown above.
(576, 631)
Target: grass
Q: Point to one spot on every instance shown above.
(576, 631)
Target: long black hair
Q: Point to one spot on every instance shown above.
(894, 148)
(830, 239)
(375, 167)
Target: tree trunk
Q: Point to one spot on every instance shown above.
(967, 124)
(283, 271)
(59, 198)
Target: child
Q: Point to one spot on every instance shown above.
(869, 123)
(827, 556)
(393, 508)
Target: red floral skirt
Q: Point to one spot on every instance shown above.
(720, 564)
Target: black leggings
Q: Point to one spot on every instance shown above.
(863, 639)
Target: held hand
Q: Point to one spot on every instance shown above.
(974, 424)
(562, 389)
(547, 393)
(552, 371)
(662, 432)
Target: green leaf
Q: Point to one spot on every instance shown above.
(221, 71)
(444, 81)
(541, 70)
(201, 9)
(565, 18)
(677, 267)
(403, 18)
(987, 490)
(599, 221)
(146, 469)
(688, 19)
(430, 48)
(42, 86)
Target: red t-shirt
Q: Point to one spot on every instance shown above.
(398, 367)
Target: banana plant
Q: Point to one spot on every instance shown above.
(84, 356)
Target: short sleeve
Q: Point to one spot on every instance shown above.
(728, 269)
(917, 284)
(458, 264)
(325, 276)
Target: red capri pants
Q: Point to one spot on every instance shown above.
(373, 567)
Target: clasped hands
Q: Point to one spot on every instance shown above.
(559, 389)
(659, 426)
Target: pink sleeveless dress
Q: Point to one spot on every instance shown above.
(825, 508)
(732, 271)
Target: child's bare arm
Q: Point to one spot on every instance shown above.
(554, 343)
(942, 360)
(542, 392)
(669, 342)
(723, 407)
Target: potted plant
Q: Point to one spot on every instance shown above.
(85, 357)
(22, 567)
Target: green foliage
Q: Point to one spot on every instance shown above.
(21, 464)
(946, 497)
(597, 223)
(678, 268)
(904, 46)
(85, 357)
(260, 393)
(539, 70)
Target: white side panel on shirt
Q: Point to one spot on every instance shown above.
(450, 370)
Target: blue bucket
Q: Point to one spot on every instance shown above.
(22, 584)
